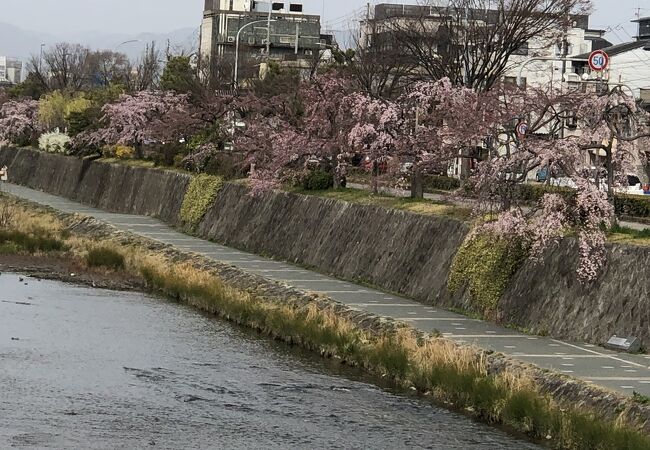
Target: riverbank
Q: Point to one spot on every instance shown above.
(371, 243)
(491, 387)
(68, 270)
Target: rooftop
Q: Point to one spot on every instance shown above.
(617, 49)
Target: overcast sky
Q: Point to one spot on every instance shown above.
(135, 16)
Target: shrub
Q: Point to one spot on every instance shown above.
(167, 155)
(54, 142)
(439, 182)
(105, 257)
(199, 197)
(632, 205)
(38, 241)
(317, 180)
(124, 152)
(486, 263)
(530, 193)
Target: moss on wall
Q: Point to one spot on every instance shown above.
(200, 195)
(486, 263)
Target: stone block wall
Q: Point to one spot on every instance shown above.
(405, 253)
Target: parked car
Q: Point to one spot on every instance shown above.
(634, 186)
(542, 175)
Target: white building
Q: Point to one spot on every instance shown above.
(11, 70)
(579, 40)
(629, 63)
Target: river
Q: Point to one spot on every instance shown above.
(94, 369)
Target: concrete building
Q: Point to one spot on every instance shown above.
(379, 27)
(294, 36)
(11, 70)
(629, 63)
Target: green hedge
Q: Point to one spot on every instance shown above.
(318, 180)
(534, 192)
(624, 205)
(441, 183)
(632, 205)
(199, 197)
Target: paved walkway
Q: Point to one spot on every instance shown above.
(622, 372)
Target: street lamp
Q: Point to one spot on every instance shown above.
(268, 27)
(126, 42)
(235, 76)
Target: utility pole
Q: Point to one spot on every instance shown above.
(268, 31)
(565, 53)
(40, 60)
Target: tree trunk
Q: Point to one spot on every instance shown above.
(139, 153)
(417, 185)
(375, 177)
(610, 174)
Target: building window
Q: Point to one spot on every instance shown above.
(523, 50)
(512, 81)
(294, 7)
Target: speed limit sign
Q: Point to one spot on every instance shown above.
(598, 60)
(522, 129)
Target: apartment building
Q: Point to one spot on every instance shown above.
(293, 36)
(11, 70)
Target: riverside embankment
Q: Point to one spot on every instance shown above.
(405, 253)
(495, 388)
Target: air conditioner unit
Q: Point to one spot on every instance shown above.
(231, 38)
(572, 77)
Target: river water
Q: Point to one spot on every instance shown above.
(94, 369)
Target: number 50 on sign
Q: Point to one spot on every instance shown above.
(598, 60)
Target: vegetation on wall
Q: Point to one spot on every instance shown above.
(485, 264)
(200, 195)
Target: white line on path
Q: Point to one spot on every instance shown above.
(639, 379)
(524, 355)
(448, 319)
(344, 292)
(599, 353)
(489, 336)
(276, 270)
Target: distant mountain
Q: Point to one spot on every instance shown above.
(20, 43)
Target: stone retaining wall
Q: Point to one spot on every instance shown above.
(112, 187)
(401, 252)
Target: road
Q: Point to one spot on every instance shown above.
(621, 372)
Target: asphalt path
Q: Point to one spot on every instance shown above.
(618, 371)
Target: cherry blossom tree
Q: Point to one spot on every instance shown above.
(287, 132)
(19, 123)
(134, 120)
